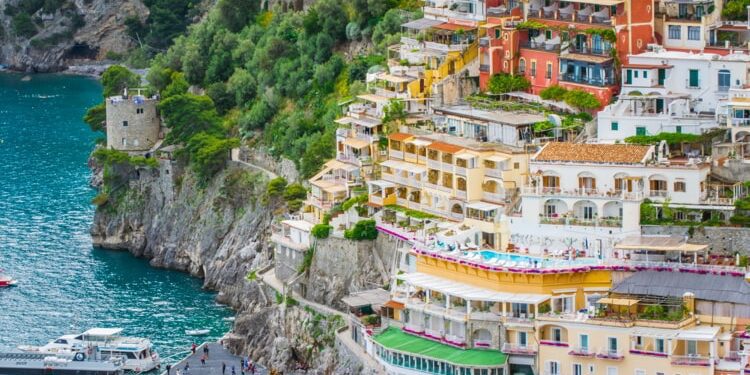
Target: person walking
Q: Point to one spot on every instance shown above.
(203, 360)
(233, 372)
(223, 368)
(193, 347)
(169, 367)
(205, 350)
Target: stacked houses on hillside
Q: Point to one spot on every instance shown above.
(521, 246)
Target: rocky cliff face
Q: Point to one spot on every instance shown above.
(221, 232)
(77, 30)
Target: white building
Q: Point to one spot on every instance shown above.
(586, 196)
(705, 77)
(670, 91)
(496, 126)
(687, 24)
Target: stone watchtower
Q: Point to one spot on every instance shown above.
(133, 122)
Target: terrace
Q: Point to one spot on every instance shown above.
(592, 12)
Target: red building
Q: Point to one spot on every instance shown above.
(575, 44)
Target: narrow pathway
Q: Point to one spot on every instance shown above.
(217, 355)
(236, 158)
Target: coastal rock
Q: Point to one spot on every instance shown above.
(58, 43)
(220, 231)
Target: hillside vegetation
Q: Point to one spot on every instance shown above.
(269, 76)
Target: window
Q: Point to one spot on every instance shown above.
(588, 213)
(584, 341)
(674, 32)
(124, 123)
(556, 335)
(533, 69)
(628, 77)
(548, 73)
(640, 372)
(522, 339)
(497, 33)
(615, 126)
(577, 369)
(552, 368)
(725, 79)
(693, 80)
(636, 74)
(611, 370)
(522, 66)
(612, 344)
(640, 130)
(550, 209)
(694, 33)
(124, 142)
(659, 346)
(645, 74)
(691, 348)
(678, 129)
(516, 165)
(138, 111)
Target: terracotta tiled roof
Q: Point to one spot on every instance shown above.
(400, 136)
(444, 147)
(594, 153)
(394, 305)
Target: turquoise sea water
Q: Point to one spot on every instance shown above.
(45, 214)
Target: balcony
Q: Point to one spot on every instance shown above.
(359, 161)
(547, 45)
(590, 81)
(613, 355)
(287, 241)
(561, 344)
(578, 351)
(658, 193)
(461, 171)
(586, 50)
(516, 349)
(433, 164)
(494, 197)
(395, 154)
(691, 360)
(438, 187)
(585, 193)
(460, 194)
(646, 352)
(320, 203)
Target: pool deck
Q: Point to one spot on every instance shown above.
(217, 355)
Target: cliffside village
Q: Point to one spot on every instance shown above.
(524, 251)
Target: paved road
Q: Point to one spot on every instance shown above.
(235, 157)
(216, 356)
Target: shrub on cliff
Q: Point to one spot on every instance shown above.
(96, 117)
(209, 154)
(187, 115)
(362, 230)
(321, 231)
(117, 78)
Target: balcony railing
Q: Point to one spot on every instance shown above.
(288, 242)
(494, 197)
(589, 193)
(460, 194)
(691, 360)
(591, 81)
(658, 193)
(516, 349)
(614, 355)
(396, 154)
(554, 343)
(578, 351)
(493, 172)
(542, 46)
(586, 50)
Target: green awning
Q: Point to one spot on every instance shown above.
(395, 339)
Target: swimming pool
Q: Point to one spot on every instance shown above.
(548, 262)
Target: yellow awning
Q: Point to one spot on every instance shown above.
(618, 301)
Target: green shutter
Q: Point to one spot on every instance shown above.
(662, 76)
(628, 76)
(615, 126)
(693, 77)
(640, 130)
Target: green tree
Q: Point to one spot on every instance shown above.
(553, 92)
(209, 154)
(23, 25)
(117, 78)
(242, 84)
(735, 10)
(295, 191)
(502, 83)
(96, 117)
(362, 230)
(178, 85)
(187, 115)
(276, 187)
(235, 14)
(582, 100)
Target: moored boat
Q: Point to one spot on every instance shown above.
(12, 363)
(197, 332)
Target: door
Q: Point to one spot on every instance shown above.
(659, 105)
(691, 348)
(693, 82)
(522, 339)
(629, 76)
(585, 342)
(662, 76)
(580, 42)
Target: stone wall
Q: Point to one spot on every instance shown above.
(721, 240)
(132, 125)
(732, 170)
(287, 262)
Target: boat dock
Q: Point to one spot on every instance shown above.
(217, 355)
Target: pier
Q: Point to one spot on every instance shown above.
(217, 355)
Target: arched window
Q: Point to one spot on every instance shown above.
(522, 66)
(725, 79)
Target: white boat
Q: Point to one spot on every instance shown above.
(197, 332)
(105, 344)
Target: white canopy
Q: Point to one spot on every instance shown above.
(469, 292)
(419, 142)
(653, 332)
(703, 333)
(483, 206)
(497, 158)
(103, 332)
(381, 183)
(404, 166)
